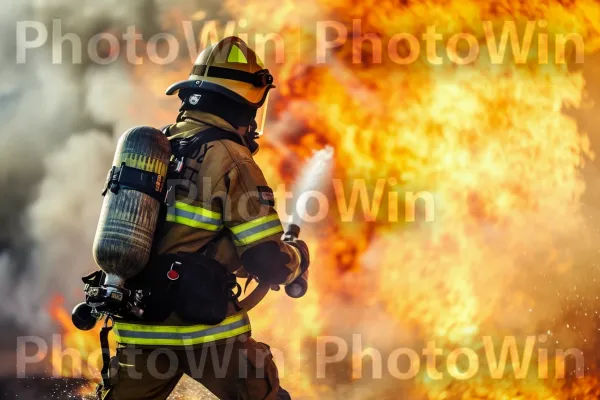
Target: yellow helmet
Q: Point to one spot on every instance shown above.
(232, 69)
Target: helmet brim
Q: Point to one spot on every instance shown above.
(200, 86)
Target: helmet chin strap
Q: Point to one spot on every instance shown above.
(249, 136)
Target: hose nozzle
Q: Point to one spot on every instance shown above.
(299, 287)
(292, 233)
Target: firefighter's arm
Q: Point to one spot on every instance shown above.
(249, 213)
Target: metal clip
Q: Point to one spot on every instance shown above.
(179, 164)
(109, 180)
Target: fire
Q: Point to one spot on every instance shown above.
(492, 144)
(81, 355)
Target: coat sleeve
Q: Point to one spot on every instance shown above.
(248, 211)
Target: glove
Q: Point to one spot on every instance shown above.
(303, 249)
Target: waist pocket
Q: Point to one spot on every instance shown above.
(197, 288)
(204, 289)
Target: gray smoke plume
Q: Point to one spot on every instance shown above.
(59, 128)
(59, 125)
(60, 224)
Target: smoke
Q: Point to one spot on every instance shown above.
(60, 223)
(38, 104)
(60, 124)
(59, 128)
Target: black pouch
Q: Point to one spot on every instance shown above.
(197, 288)
(204, 290)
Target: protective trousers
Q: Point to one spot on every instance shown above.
(240, 369)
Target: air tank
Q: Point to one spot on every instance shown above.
(132, 203)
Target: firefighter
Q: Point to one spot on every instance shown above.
(221, 207)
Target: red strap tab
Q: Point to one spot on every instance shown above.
(173, 275)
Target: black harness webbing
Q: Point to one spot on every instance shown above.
(105, 372)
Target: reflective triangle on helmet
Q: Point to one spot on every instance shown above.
(236, 55)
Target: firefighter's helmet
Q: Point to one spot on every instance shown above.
(230, 68)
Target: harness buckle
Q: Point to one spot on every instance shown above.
(176, 164)
(111, 180)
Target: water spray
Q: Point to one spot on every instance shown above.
(313, 178)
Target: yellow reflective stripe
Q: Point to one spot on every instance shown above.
(196, 217)
(257, 229)
(177, 329)
(197, 210)
(181, 335)
(258, 236)
(183, 342)
(254, 223)
(192, 223)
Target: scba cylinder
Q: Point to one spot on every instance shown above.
(132, 200)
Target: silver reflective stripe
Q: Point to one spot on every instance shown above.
(182, 336)
(257, 229)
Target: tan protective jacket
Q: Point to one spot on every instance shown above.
(221, 188)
